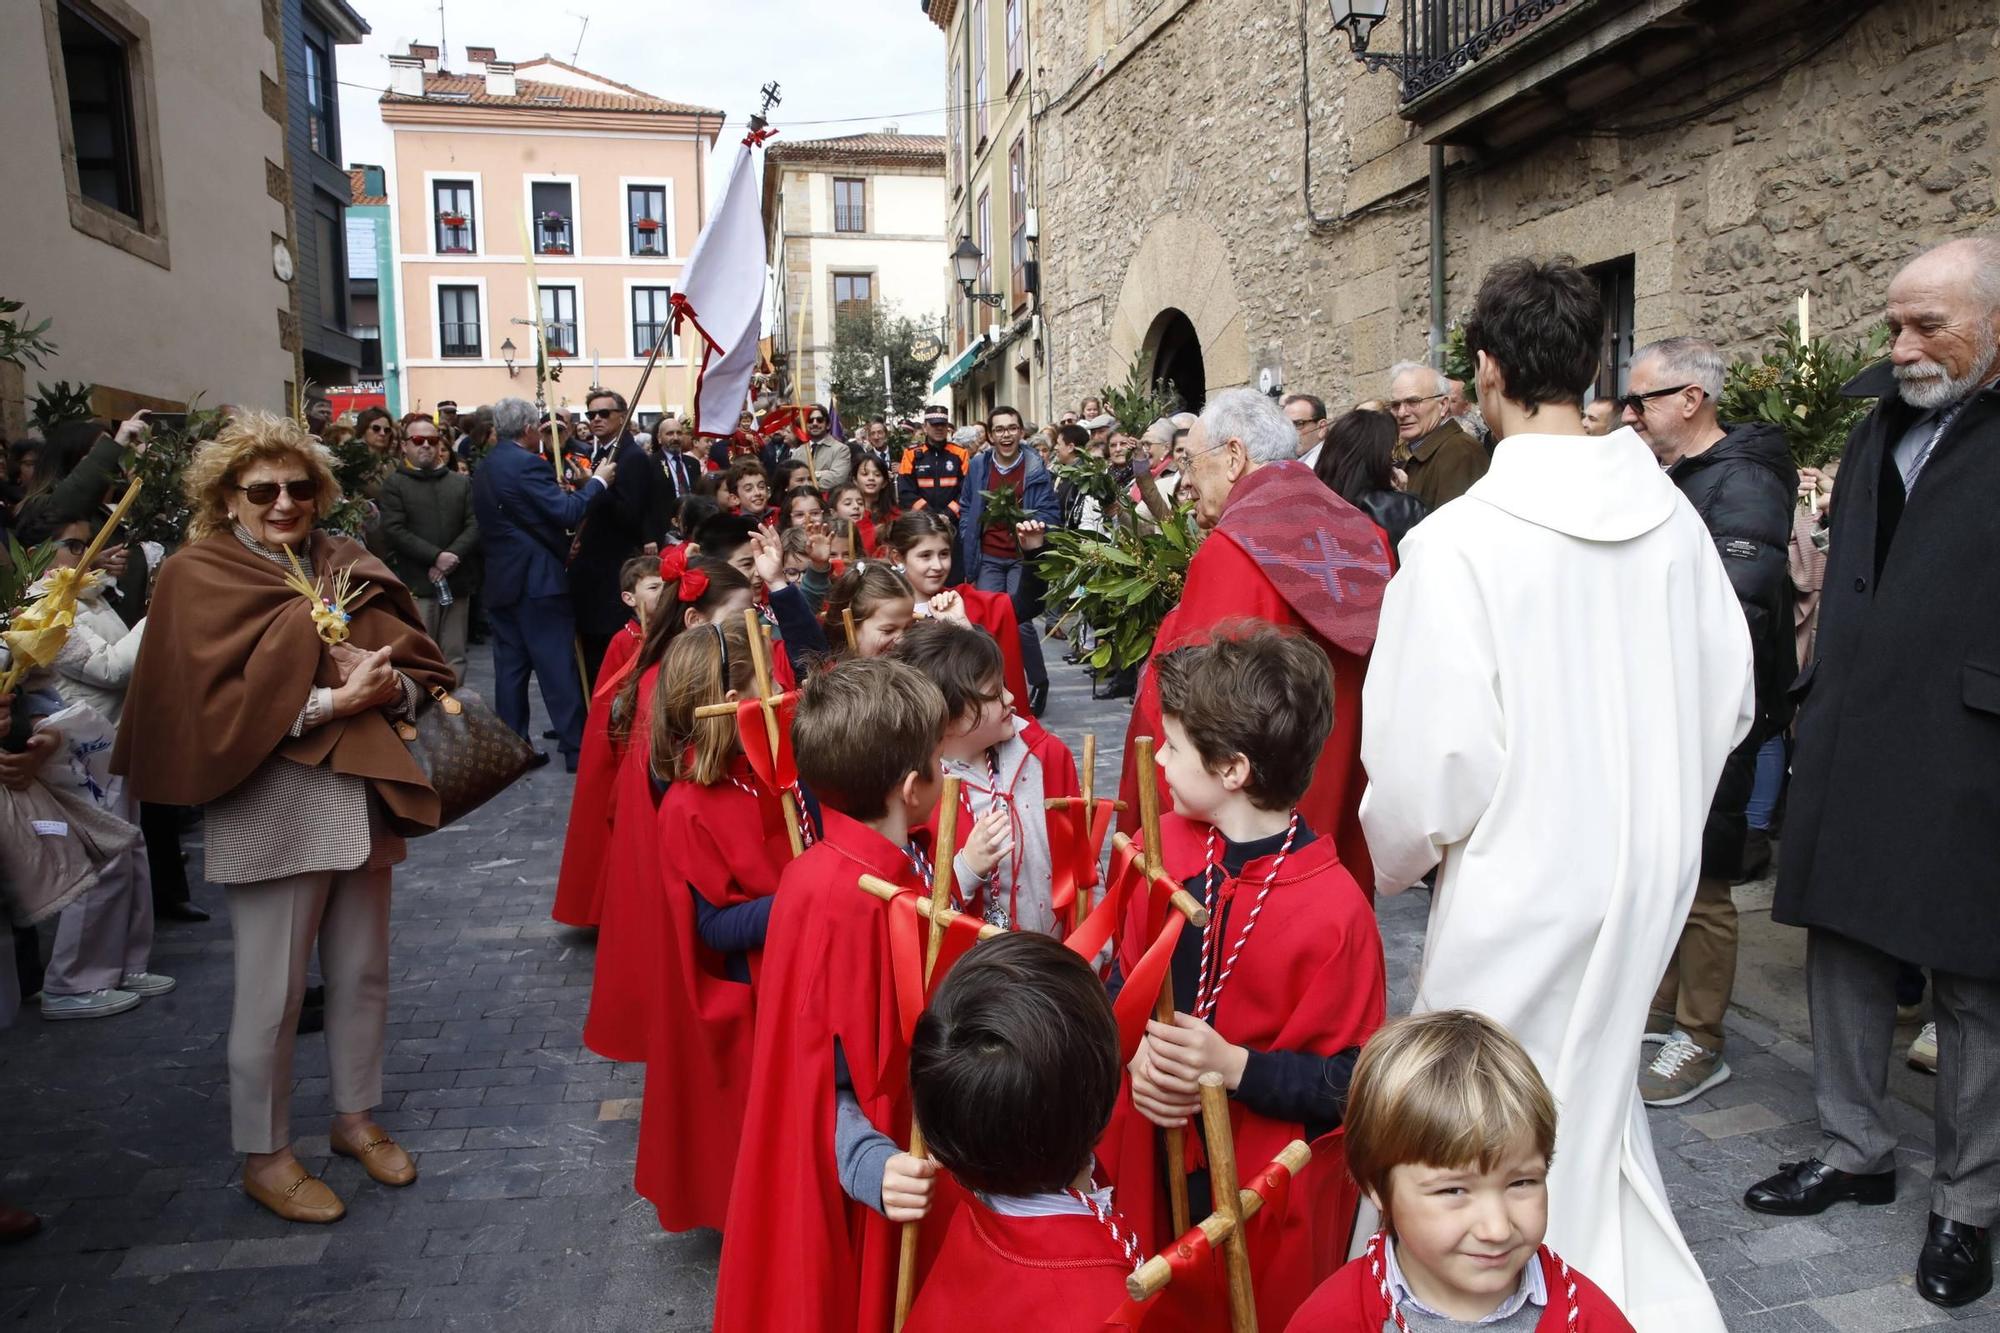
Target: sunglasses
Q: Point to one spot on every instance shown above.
(597, 413)
(815, 421)
(266, 492)
(1636, 402)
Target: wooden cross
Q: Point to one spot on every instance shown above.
(1088, 772)
(767, 699)
(1234, 1208)
(1163, 1008)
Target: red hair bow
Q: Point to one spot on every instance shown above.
(674, 569)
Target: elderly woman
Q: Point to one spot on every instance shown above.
(240, 702)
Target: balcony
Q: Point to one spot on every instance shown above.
(1490, 74)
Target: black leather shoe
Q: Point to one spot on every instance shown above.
(1956, 1264)
(182, 911)
(540, 758)
(1811, 1186)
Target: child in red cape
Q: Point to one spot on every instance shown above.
(1282, 986)
(1006, 766)
(825, 1184)
(921, 543)
(1014, 1072)
(722, 844)
(1449, 1132)
(694, 594)
(878, 599)
(580, 882)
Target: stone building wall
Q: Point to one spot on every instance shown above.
(1172, 177)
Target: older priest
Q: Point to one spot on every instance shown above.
(1285, 549)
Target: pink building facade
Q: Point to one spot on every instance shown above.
(597, 186)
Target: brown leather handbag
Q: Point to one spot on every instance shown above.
(467, 752)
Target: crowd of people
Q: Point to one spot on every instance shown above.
(1563, 673)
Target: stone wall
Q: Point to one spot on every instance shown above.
(1172, 177)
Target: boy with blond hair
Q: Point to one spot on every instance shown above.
(1450, 1131)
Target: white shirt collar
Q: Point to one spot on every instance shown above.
(1057, 1203)
(1531, 1288)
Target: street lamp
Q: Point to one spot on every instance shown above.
(507, 355)
(965, 264)
(1357, 18)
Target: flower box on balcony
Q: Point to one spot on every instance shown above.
(454, 249)
(552, 248)
(647, 224)
(452, 219)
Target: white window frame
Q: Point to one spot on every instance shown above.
(486, 344)
(576, 290)
(528, 184)
(672, 253)
(479, 219)
(674, 354)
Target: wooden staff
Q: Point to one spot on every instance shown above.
(1157, 1274)
(1163, 1008)
(1081, 908)
(941, 876)
(1222, 1181)
(847, 623)
(765, 697)
(883, 889)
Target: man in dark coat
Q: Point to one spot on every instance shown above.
(614, 532)
(433, 538)
(1893, 828)
(1742, 482)
(1438, 455)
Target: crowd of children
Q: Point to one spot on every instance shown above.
(756, 823)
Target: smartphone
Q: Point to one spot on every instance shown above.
(173, 421)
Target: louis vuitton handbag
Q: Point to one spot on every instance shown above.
(467, 752)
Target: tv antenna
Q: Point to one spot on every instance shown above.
(579, 34)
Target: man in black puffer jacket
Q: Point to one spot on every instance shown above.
(1742, 482)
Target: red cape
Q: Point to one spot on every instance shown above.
(729, 845)
(1291, 552)
(1059, 778)
(1351, 1301)
(994, 613)
(580, 883)
(1060, 1274)
(1311, 978)
(627, 970)
(798, 1254)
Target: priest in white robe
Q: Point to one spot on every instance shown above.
(1561, 670)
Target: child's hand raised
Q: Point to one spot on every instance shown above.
(906, 1187)
(767, 554)
(1165, 1100)
(948, 605)
(992, 842)
(1185, 1049)
(819, 544)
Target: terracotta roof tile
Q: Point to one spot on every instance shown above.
(470, 89)
(358, 191)
(858, 146)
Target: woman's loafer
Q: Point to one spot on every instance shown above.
(301, 1197)
(380, 1156)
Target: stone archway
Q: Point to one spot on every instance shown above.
(1182, 269)
(1174, 349)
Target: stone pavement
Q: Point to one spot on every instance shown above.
(523, 1216)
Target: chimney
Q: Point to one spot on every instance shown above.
(427, 54)
(406, 75)
(500, 78)
(892, 128)
(477, 56)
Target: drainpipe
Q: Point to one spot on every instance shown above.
(1437, 254)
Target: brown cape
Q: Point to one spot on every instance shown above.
(229, 655)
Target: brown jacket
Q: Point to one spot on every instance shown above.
(1443, 465)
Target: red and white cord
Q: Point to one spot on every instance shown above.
(1210, 989)
(1108, 1218)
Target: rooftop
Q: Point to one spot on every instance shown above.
(873, 147)
(603, 94)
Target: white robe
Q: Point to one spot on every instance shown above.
(1562, 668)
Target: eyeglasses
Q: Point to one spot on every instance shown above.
(1636, 402)
(1305, 425)
(422, 439)
(266, 492)
(1412, 404)
(374, 426)
(597, 413)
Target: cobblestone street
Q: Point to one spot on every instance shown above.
(116, 1132)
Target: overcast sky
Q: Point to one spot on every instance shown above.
(846, 66)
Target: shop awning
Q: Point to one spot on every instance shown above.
(960, 364)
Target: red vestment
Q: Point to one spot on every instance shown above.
(1351, 1301)
(1061, 1274)
(798, 1254)
(580, 882)
(727, 843)
(1289, 551)
(1310, 978)
(994, 613)
(627, 970)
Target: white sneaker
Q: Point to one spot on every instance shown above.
(90, 1004)
(1923, 1051)
(146, 984)
(1681, 1072)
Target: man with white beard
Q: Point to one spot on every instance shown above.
(1562, 669)
(1893, 823)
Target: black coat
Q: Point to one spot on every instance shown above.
(617, 526)
(1892, 832)
(1744, 486)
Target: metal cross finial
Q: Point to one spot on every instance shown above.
(769, 92)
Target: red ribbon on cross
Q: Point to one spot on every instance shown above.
(778, 770)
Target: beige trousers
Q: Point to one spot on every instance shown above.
(1702, 972)
(275, 923)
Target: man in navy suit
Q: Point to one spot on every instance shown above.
(525, 519)
(629, 519)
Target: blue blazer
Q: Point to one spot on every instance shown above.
(525, 521)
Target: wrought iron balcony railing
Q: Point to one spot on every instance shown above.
(1442, 37)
